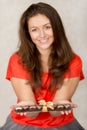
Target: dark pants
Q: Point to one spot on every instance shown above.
(10, 125)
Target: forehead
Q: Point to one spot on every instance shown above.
(38, 20)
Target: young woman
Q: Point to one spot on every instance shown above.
(44, 71)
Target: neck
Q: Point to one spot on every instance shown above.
(44, 58)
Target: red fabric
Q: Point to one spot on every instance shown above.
(15, 69)
(44, 120)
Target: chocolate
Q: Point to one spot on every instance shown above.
(39, 108)
(61, 107)
(32, 108)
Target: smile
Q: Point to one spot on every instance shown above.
(43, 40)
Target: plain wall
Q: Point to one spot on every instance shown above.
(74, 17)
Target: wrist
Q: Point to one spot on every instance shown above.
(61, 101)
(26, 103)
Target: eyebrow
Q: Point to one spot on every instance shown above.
(47, 24)
(43, 25)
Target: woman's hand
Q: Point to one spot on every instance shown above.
(28, 114)
(58, 113)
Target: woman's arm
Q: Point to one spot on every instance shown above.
(67, 90)
(23, 90)
(65, 93)
(24, 93)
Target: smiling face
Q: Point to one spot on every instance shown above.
(41, 32)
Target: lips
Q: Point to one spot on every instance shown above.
(43, 41)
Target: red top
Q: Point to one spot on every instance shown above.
(44, 120)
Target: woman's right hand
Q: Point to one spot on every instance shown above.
(30, 114)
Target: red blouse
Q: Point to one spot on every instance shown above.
(44, 120)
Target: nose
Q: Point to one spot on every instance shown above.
(42, 33)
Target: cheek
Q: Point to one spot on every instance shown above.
(52, 36)
(33, 36)
(51, 33)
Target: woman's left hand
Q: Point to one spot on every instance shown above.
(58, 113)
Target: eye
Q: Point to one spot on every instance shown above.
(47, 27)
(34, 30)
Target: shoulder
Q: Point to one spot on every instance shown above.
(76, 60)
(75, 68)
(15, 62)
(14, 56)
(16, 68)
(15, 59)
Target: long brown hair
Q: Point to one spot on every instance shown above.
(61, 53)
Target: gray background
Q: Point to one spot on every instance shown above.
(74, 16)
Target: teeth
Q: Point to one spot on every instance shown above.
(43, 41)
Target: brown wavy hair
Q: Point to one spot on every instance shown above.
(61, 53)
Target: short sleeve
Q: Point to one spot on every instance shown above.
(15, 68)
(75, 68)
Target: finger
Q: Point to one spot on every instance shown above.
(70, 111)
(62, 112)
(12, 107)
(21, 114)
(66, 112)
(74, 105)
